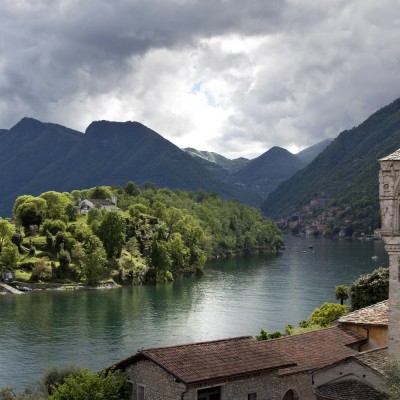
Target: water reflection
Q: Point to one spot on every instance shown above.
(234, 297)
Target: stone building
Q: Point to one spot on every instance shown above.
(389, 196)
(242, 368)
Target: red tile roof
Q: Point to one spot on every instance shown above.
(199, 362)
(316, 349)
(216, 360)
(377, 314)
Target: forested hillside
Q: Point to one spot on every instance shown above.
(36, 156)
(345, 174)
(267, 171)
(152, 235)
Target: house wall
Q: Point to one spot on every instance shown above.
(348, 370)
(377, 335)
(160, 385)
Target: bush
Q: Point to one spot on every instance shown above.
(327, 313)
(264, 335)
(64, 259)
(41, 271)
(53, 226)
(55, 376)
(87, 386)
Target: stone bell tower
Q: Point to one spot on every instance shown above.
(389, 197)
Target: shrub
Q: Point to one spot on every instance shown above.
(327, 313)
(55, 376)
(53, 226)
(41, 271)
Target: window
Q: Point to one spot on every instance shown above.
(140, 392)
(252, 396)
(213, 393)
(129, 390)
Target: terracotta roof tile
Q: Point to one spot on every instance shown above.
(349, 389)
(377, 314)
(316, 349)
(208, 361)
(199, 362)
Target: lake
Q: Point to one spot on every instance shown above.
(234, 297)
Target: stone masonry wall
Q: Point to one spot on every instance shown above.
(159, 385)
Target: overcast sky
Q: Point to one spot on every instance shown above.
(232, 76)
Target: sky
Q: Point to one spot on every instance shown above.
(232, 76)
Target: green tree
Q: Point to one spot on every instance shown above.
(160, 261)
(264, 335)
(56, 203)
(94, 260)
(64, 258)
(7, 229)
(327, 313)
(31, 212)
(131, 189)
(111, 232)
(53, 226)
(41, 271)
(55, 376)
(341, 293)
(10, 256)
(71, 211)
(370, 288)
(99, 192)
(92, 386)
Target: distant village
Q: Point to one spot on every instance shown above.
(319, 218)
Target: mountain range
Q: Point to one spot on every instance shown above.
(345, 173)
(37, 156)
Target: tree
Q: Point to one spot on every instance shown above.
(89, 386)
(99, 192)
(111, 232)
(31, 213)
(342, 293)
(131, 189)
(56, 203)
(94, 259)
(6, 231)
(264, 335)
(370, 288)
(10, 256)
(327, 313)
(56, 376)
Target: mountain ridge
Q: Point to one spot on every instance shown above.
(346, 171)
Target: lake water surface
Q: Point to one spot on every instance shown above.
(234, 297)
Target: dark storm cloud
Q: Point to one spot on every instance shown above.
(286, 73)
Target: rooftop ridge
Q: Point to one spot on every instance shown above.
(238, 338)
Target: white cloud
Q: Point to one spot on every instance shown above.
(228, 76)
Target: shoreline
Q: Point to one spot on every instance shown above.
(26, 287)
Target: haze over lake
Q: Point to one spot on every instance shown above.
(234, 297)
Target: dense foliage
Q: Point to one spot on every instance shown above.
(370, 288)
(153, 235)
(321, 317)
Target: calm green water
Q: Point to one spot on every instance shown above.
(234, 297)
